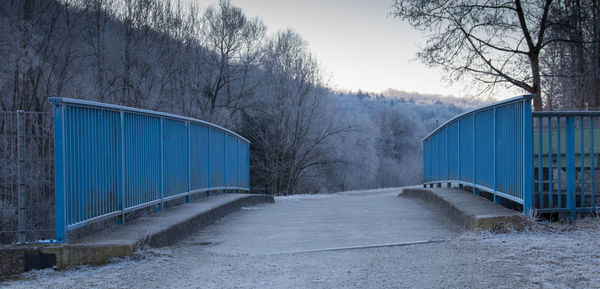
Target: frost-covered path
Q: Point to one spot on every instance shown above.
(316, 222)
(273, 246)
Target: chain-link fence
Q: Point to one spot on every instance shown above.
(26, 177)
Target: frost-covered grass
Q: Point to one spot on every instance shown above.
(556, 255)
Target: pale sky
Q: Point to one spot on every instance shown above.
(355, 41)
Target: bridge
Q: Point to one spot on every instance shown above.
(540, 162)
(160, 177)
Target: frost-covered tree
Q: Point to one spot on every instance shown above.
(234, 42)
(217, 65)
(290, 124)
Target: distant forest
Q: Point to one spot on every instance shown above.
(218, 65)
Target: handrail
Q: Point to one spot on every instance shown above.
(566, 113)
(94, 104)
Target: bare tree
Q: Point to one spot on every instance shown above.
(495, 42)
(234, 42)
(96, 39)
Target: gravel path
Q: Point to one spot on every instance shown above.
(547, 256)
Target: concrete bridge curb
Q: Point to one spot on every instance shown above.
(468, 212)
(162, 229)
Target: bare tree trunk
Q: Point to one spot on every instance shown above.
(536, 87)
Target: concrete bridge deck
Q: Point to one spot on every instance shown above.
(345, 220)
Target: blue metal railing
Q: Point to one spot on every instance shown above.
(566, 154)
(488, 148)
(111, 160)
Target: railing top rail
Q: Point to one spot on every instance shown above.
(481, 108)
(566, 113)
(94, 104)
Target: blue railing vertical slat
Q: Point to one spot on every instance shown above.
(175, 157)
(550, 167)
(121, 195)
(540, 164)
(431, 151)
(425, 162)
(71, 173)
(77, 161)
(592, 168)
(433, 154)
(466, 154)
(570, 154)
(83, 165)
(231, 159)
(87, 168)
(217, 167)
(113, 159)
(199, 157)
(559, 160)
(581, 162)
(452, 162)
(474, 153)
(495, 152)
(225, 165)
(247, 166)
(429, 161)
(458, 150)
(162, 164)
(484, 157)
(237, 162)
(447, 160)
(438, 158)
(209, 160)
(98, 174)
(189, 160)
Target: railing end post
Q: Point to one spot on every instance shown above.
(21, 189)
(60, 218)
(527, 155)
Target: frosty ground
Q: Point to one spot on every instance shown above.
(287, 245)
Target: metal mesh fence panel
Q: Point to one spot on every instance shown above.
(26, 177)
